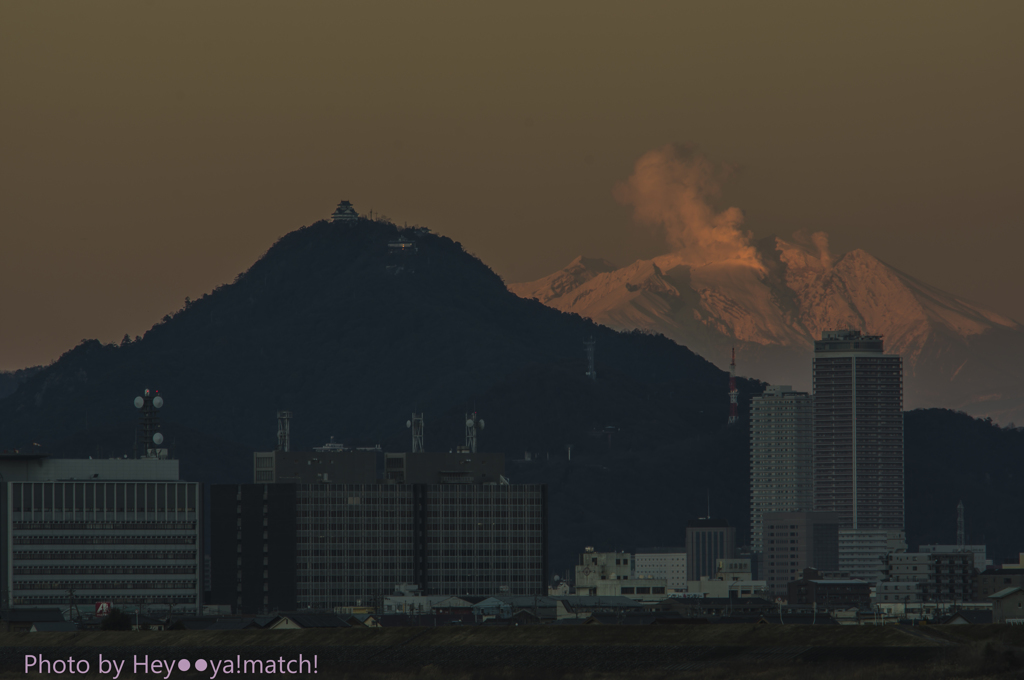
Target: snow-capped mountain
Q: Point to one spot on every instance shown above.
(956, 354)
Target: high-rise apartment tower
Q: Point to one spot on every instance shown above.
(781, 448)
(858, 431)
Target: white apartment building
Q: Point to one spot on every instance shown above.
(781, 455)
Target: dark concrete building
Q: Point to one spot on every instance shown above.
(295, 546)
(707, 541)
(993, 580)
(794, 541)
(369, 467)
(812, 589)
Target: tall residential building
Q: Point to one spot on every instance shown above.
(707, 541)
(795, 541)
(82, 531)
(858, 431)
(781, 451)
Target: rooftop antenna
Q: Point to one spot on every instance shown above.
(284, 431)
(149, 423)
(416, 425)
(960, 527)
(733, 393)
(709, 504)
(589, 345)
(472, 425)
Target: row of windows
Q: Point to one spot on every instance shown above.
(89, 555)
(92, 526)
(78, 570)
(104, 585)
(104, 540)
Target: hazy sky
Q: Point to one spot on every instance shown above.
(152, 151)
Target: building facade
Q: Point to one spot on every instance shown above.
(74, 532)
(781, 452)
(610, 574)
(863, 552)
(795, 541)
(858, 431)
(707, 541)
(931, 577)
(993, 580)
(811, 589)
(662, 563)
(320, 546)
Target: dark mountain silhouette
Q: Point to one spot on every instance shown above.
(352, 338)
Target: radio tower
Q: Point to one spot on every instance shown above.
(733, 392)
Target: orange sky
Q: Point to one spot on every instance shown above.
(152, 151)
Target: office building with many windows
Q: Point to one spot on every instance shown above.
(320, 546)
(74, 532)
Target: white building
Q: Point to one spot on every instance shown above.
(781, 456)
(662, 563)
(123, 531)
(610, 574)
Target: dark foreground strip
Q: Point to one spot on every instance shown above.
(330, 660)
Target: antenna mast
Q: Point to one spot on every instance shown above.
(416, 424)
(284, 431)
(733, 392)
(472, 424)
(960, 542)
(589, 345)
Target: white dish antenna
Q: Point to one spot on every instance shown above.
(139, 402)
(158, 401)
(158, 438)
(481, 424)
(408, 423)
(469, 422)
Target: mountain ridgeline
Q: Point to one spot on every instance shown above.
(352, 335)
(352, 339)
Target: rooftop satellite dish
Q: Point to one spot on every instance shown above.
(158, 439)
(469, 423)
(408, 423)
(158, 402)
(139, 401)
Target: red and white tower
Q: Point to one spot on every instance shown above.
(733, 392)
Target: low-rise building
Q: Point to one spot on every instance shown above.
(662, 563)
(794, 541)
(981, 561)
(812, 590)
(1008, 606)
(609, 574)
(993, 580)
